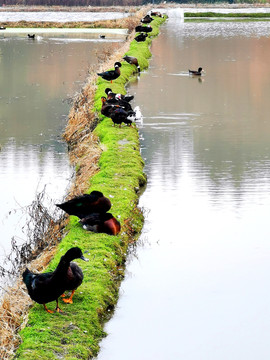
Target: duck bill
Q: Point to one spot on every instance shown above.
(83, 258)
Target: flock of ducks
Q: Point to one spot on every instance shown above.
(92, 209)
(116, 106)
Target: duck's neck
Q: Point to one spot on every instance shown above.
(63, 266)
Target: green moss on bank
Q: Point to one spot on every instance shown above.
(226, 15)
(77, 333)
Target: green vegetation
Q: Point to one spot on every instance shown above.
(227, 15)
(76, 334)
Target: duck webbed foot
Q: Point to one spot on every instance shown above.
(69, 300)
(57, 309)
(49, 311)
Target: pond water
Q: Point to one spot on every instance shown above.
(37, 79)
(59, 16)
(198, 287)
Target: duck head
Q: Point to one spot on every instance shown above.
(117, 64)
(74, 253)
(108, 90)
(103, 99)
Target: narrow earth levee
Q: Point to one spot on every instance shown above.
(106, 159)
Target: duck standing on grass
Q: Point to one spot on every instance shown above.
(119, 116)
(107, 108)
(111, 75)
(111, 95)
(47, 287)
(73, 280)
(117, 101)
(132, 61)
(117, 112)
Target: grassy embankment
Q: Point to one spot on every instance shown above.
(122, 23)
(231, 16)
(76, 334)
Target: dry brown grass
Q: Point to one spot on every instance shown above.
(84, 152)
(123, 23)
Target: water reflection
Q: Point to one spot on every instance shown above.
(37, 78)
(198, 289)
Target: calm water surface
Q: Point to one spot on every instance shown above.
(59, 16)
(37, 77)
(199, 288)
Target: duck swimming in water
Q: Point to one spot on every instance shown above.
(31, 36)
(196, 72)
(132, 61)
(86, 204)
(47, 287)
(101, 223)
(111, 75)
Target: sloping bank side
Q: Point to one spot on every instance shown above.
(76, 333)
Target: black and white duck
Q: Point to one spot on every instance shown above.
(111, 102)
(86, 204)
(111, 75)
(47, 287)
(111, 95)
(147, 19)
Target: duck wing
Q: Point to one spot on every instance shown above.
(42, 288)
(86, 204)
(107, 75)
